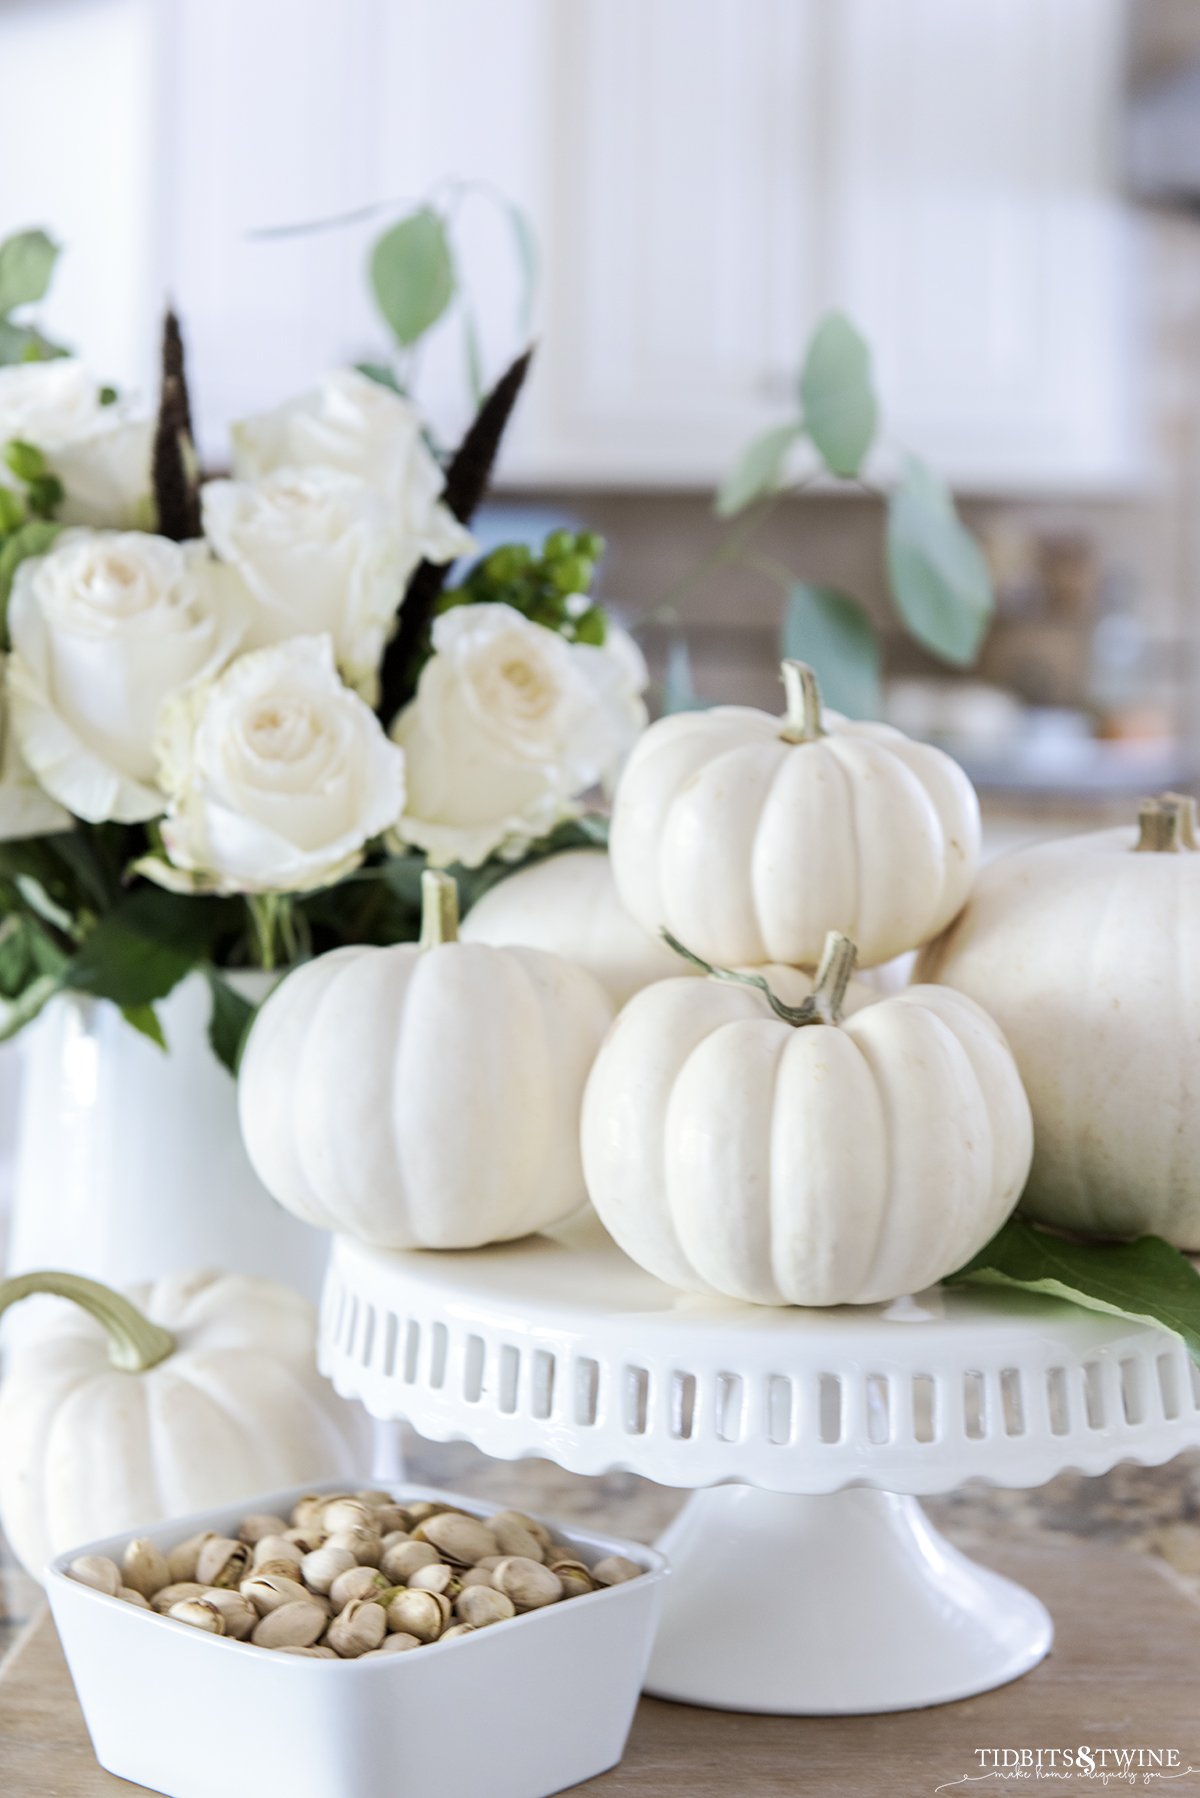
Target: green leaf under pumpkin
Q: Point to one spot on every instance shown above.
(940, 581)
(841, 413)
(1147, 1281)
(831, 632)
(412, 274)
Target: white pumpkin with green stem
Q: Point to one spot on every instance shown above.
(737, 1144)
(1087, 952)
(749, 837)
(568, 904)
(190, 1393)
(426, 1095)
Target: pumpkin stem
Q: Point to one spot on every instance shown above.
(803, 721)
(1167, 825)
(134, 1343)
(439, 909)
(824, 1004)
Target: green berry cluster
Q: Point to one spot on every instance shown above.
(549, 587)
(43, 489)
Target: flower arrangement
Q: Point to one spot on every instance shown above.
(240, 715)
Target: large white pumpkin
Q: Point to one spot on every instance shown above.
(1087, 952)
(123, 1411)
(803, 1162)
(750, 837)
(427, 1095)
(568, 905)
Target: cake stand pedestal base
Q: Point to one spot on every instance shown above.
(829, 1606)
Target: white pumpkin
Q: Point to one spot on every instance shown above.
(568, 905)
(122, 1412)
(751, 837)
(735, 1145)
(1087, 952)
(426, 1095)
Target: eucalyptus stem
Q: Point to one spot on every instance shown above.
(134, 1343)
(826, 1002)
(439, 909)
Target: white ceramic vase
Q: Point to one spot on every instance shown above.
(129, 1161)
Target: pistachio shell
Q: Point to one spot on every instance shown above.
(393, 1644)
(614, 1570)
(420, 1614)
(438, 1578)
(305, 1540)
(313, 1654)
(457, 1629)
(365, 1545)
(512, 1538)
(373, 1497)
(389, 1517)
(421, 1508)
(357, 1582)
(181, 1560)
(322, 1566)
(294, 1625)
(473, 1576)
(399, 1563)
(97, 1571)
(199, 1614)
(275, 1548)
(144, 1567)
(357, 1630)
(260, 1524)
(459, 1539)
(532, 1526)
(237, 1613)
(175, 1594)
(481, 1605)
(270, 1591)
(132, 1596)
(222, 1562)
(526, 1582)
(345, 1514)
(575, 1576)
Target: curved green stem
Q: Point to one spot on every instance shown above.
(826, 1002)
(803, 721)
(439, 909)
(134, 1343)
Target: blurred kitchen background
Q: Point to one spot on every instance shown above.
(1003, 195)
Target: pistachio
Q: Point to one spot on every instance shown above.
(294, 1625)
(345, 1514)
(457, 1629)
(145, 1568)
(365, 1545)
(374, 1497)
(237, 1613)
(307, 1541)
(521, 1520)
(313, 1654)
(307, 1510)
(456, 1538)
(576, 1578)
(399, 1563)
(614, 1570)
(421, 1508)
(481, 1605)
(393, 1539)
(275, 1548)
(420, 1614)
(199, 1614)
(319, 1569)
(473, 1576)
(222, 1562)
(260, 1524)
(358, 1629)
(512, 1538)
(181, 1560)
(270, 1591)
(175, 1594)
(389, 1518)
(275, 1570)
(131, 1595)
(437, 1579)
(489, 1562)
(357, 1582)
(526, 1582)
(394, 1644)
(97, 1571)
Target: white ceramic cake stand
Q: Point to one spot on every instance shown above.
(806, 1578)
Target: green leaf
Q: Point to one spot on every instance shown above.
(145, 1019)
(757, 471)
(382, 375)
(840, 410)
(24, 460)
(143, 948)
(1147, 1280)
(23, 1009)
(833, 634)
(32, 539)
(412, 274)
(940, 581)
(229, 1022)
(679, 687)
(25, 343)
(26, 264)
(12, 511)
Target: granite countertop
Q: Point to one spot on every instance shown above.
(1155, 1511)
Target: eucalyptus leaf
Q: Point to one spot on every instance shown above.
(145, 1021)
(25, 343)
(26, 265)
(831, 632)
(381, 374)
(940, 581)
(1147, 1281)
(758, 470)
(840, 410)
(412, 274)
(229, 1021)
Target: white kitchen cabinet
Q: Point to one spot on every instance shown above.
(706, 177)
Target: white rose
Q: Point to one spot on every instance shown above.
(320, 554)
(353, 423)
(104, 627)
(100, 454)
(510, 724)
(25, 810)
(278, 774)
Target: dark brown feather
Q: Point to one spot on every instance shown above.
(174, 364)
(466, 483)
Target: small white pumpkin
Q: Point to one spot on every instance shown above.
(751, 837)
(1087, 953)
(426, 1095)
(568, 905)
(127, 1411)
(736, 1144)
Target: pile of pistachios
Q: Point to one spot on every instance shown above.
(354, 1574)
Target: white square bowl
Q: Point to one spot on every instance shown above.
(520, 1709)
